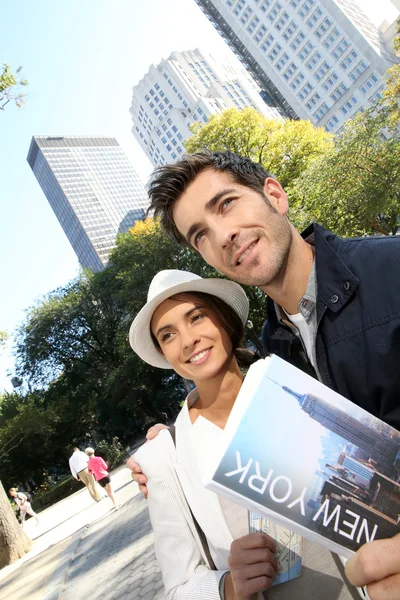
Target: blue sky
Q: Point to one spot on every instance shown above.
(81, 58)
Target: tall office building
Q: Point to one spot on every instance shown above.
(93, 190)
(324, 57)
(187, 87)
(380, 447)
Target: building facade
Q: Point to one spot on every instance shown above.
(185, 88)
(93, 190)
(324, 57)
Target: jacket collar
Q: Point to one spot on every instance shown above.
(335, 282)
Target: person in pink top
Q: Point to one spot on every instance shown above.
(99, 469)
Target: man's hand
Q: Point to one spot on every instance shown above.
(377, 565)
(136, 469)
(252, 566)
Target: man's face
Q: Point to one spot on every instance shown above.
(240, 232)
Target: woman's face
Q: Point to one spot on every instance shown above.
(191, 337)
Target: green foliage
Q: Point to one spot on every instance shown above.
(353, 188)
(62, 490)
(3, 339)
(391, 92)
(112, 453)
(10, 86)
(285, 148)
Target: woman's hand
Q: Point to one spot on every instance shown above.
(136, 469)
(252, 564)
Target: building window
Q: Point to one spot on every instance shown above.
(294, 85)
(369, 83)
(290, 31)
(331, 123)
(290, 71)
(330, 81)
(314, 60)
(314, 18)
(338, 93)
(267, 43)
(321, 111)
(342, 47)
(239, 7)
(260, 34)
(313, 101)
(359, 70)
(324, 68)
(274, 52)
(282, 62)
(280, 24)
(305, 51)
(265, 5)
(297, 41)
(305, 91)
(331, 39)
(246, 15)
(274, 12)
(253, 25)
(305, 9)
(349, 105)
(350, 58)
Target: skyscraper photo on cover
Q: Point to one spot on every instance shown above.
(313, 457)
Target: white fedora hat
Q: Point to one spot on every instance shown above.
(168, 283)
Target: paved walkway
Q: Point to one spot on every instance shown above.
(88, 551)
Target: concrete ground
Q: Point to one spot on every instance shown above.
(83, 550)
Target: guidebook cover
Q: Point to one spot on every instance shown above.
(300, 454)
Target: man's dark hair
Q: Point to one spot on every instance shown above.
(169, 182)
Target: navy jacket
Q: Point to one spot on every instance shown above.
(358, 315)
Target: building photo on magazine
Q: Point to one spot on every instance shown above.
(297, 452)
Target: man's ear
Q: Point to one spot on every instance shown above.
(276, 195)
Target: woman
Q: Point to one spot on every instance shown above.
(195, 327)
(99, 469)
(24, 505)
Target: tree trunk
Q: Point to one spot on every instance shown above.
(13, 541)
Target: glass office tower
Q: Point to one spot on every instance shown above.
(93, 190)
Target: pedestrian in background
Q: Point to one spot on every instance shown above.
(98, 467)
(24, 505)
(78, 463)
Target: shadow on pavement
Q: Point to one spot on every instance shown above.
(30, 579)
(115, 553)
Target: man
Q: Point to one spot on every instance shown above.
(333, 305)
(79, 469)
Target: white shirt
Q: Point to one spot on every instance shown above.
(299, 321)
(78, 462)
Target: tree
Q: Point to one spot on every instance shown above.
(391, 93)
(14, 543)
(353, 188)
(3, 339)
(285, 148)
(10, 86)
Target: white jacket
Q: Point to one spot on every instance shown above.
(173, 474)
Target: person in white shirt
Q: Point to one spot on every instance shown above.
(78, 465)
(202, 541)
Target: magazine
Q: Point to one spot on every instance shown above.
(298, 453)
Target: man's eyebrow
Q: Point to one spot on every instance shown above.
(208, 207)
(187, 314)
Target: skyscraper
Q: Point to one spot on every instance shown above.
(324, 58)
(187, 87)
(380, 447)
(93, 190)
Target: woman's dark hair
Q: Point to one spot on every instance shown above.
(231, 324)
